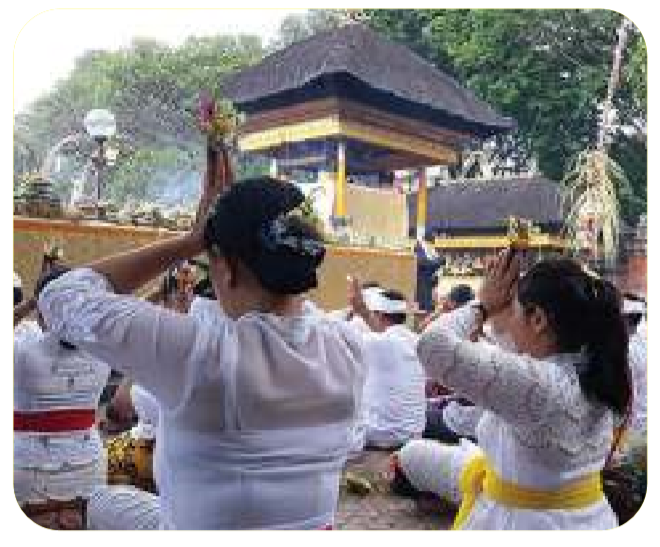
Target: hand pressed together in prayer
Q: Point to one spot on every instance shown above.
(499, 284)
(128, 271)
(355, 297)
(217, 180)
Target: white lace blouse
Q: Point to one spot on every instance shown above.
(532, 421)
(256, 413)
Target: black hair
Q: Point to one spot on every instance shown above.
(169, 285)
(370, 285)
(56, 270)
(18, 296)
(461, 294)
(635, 297)
(250, 222)
(584, 312)
(394, 318)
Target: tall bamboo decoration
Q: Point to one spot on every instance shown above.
(592, 181)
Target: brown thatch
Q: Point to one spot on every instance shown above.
(471, 206)
(355, 58)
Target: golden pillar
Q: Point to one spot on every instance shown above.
(422, 203)
(340, 182)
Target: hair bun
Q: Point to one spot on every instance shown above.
(253, 222)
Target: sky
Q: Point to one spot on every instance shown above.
(48, 45)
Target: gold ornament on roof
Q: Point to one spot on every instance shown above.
(519, 232)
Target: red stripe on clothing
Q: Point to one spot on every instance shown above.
(55, 421)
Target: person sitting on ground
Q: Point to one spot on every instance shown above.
(347, 314)
(394, 398)
(548, 406)
(18, 289)
(58, 455)
(24, 327)
(256, 406)
(441, 397)
(458, 296)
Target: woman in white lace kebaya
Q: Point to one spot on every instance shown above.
(547, 400)
(257, 406)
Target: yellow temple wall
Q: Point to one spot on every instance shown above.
(86, 241)
(377, 212)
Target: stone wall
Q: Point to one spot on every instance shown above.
(85, 241)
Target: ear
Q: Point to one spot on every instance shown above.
(538, 321)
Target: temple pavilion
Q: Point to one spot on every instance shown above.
(350, 102)
(468, 220)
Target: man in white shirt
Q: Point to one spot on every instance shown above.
(394, 396)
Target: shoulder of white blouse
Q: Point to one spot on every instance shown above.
(84, 276)
(459, 322)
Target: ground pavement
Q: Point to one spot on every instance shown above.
(380, 509)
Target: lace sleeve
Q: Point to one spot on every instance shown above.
(462, 419)
(159, 349)
(459, 322)
(520, 389)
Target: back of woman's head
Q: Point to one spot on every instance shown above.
(258, 221)
(584, 313)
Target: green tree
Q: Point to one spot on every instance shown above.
(152, 89)
(548, 69)
(298, 27)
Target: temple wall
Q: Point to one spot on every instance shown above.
(376, 212)
(85, 241)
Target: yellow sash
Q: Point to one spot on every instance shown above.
(479, 477)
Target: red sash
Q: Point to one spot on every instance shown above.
(55, 421)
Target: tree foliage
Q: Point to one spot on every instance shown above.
(298, 27)
(152, 90)
(548, 69)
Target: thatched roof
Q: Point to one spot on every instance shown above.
(472, 206)
(383, 66)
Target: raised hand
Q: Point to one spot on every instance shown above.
(218, 179)
(355, 297)
(498, 287)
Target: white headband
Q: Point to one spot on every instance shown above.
(633, 306)
(376, 301)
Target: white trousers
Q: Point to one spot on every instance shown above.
(431, 466)
(120, 507)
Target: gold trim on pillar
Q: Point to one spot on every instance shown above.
(332, 126)
(340, 181)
